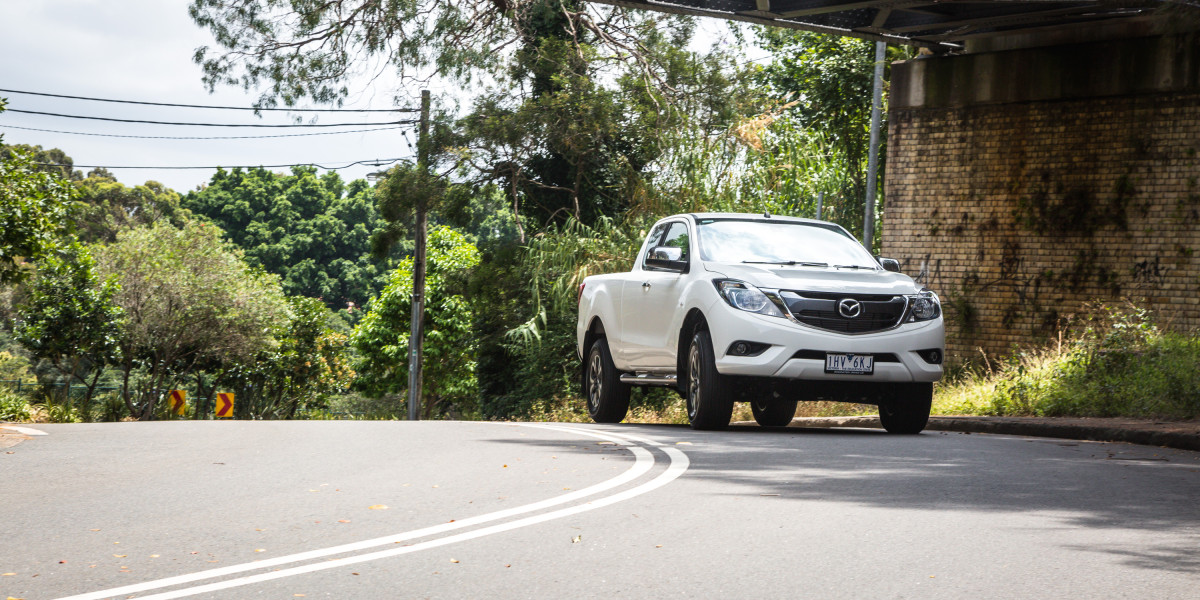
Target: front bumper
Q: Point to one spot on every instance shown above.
(787, 338)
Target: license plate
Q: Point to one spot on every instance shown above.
(849, 364)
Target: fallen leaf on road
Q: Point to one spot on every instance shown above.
(7, 574)
(93, 530)
(124, 555)
(505, 467)
(62, 562)
(297, 595)
(153, 556)
(577, 539)
(658, 545)
(260, 550)
(260, 529)
(378, 507)
(354, 573)
(343, 520)
(454, 560)
(11, 598)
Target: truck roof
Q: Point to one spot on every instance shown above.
(752, 217)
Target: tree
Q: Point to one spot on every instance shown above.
(382, 337)
(831, 79)
(34, 213)
(108, 206)
(308, 365)
(187, 298)
(313, 231)
(69, 317)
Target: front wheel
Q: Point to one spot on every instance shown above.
(607, 397)
(772, 412)
(709, 401)
(907, 410)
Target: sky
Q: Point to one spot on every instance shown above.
(142, 50)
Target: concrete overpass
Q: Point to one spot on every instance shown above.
(1042, 156)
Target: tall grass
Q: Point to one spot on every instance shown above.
(1119, 363)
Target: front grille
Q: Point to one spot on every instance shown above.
(819, 309)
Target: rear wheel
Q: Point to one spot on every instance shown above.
(773, 412)
(907, 410)
(709, 401)
(607, 397)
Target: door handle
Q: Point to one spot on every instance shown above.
(645, 285)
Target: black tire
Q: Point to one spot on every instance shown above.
(709, 401)
(907, 411)
(773, 412)
(607, 397)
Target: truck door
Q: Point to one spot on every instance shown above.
(649, 302)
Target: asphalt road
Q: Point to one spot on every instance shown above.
(479, 510)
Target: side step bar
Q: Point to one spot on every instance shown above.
(649, 379)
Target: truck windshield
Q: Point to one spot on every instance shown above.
(780, 242)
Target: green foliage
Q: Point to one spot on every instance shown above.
(313, 231)
(34, 214)
(382, 338)
(106, 207)
(13, 406)
(189, 300)
(14, 367)
(305, 369)
(830, 77)
(1118, 365)
(70, 319)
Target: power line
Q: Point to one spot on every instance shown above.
(369, 110)
(219, 137)
(376, 162)
(34, 112)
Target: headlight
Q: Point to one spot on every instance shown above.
(744, 296)
(924, 307)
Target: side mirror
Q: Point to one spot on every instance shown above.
(890, 264)
(668, 258)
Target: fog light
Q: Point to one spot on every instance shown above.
(932, 356)
(744, 348)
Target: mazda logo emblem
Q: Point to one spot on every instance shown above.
(849, 308)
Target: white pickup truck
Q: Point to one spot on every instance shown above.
(763, 309)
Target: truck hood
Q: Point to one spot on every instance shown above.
(851, 281)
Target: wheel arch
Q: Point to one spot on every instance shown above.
(693, 322)
(594, 332)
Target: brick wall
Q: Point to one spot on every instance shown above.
(1018, 211)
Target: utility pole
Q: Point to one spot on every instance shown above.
(873, 151)
(417, 333)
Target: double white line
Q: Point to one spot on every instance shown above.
(643, 461)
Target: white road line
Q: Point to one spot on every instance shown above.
(679, 464)
(24, 430)
(643, 461)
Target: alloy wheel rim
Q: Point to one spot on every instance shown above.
(693, 398)
(595, 382)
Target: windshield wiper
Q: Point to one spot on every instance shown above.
(853, 267)
(790, 263)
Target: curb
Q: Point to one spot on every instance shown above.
(1015, 426)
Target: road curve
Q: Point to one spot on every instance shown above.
(449, 510)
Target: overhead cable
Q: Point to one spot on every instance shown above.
(218, 137)
(375, 162)
(368, 110)
(34, 112)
